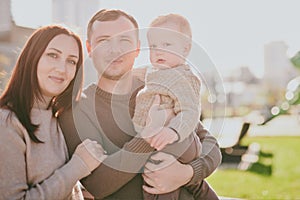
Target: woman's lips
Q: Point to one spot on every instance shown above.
(56, 79)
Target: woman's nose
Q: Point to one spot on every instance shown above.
(61, 66)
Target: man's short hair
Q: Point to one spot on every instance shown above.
(109, 15)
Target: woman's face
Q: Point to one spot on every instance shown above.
(57, 65)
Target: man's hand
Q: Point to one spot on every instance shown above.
(166, 176)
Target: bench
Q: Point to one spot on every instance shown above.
(234, 154)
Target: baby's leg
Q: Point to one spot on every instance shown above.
(187, 150)
(174, 195)
(202, 191)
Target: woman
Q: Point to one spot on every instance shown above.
(33, 154)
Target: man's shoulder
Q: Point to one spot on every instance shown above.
(89, 91)
(87, 98)
(140, 73)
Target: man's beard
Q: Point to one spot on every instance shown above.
(112, 77)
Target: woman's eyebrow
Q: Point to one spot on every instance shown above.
(59, 51)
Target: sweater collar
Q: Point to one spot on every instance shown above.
(93, 89)
(42, 104)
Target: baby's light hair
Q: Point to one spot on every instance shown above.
(182, 22)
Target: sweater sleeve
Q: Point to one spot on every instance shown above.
(186, 94)
(13, 173)
(209, 159)
(117, 169)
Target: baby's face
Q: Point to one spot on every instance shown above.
(168, 47)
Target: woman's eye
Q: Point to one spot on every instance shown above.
(52, 55)
(73, 62)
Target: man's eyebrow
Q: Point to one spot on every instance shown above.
(126, 36)
(102, 36)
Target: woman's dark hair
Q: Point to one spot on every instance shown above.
(23, 88)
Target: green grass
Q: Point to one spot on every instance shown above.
(275, 176)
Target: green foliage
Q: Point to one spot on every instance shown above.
(275, 176)
(296, 60)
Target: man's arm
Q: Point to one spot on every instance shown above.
(210, 157)
(130, 159)
(177, 174)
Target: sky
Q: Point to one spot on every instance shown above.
(232, 32)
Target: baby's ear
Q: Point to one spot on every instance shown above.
(187, 48)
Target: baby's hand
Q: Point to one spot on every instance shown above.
(162, 138)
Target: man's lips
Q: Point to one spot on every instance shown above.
(118, 61)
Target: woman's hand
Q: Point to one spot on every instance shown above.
(91, 153)
(166, 176)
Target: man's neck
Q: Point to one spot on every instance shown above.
(121, 86)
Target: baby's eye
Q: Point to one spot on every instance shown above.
(167, 44)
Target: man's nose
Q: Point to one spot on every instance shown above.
(115, 47)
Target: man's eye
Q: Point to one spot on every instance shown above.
(101, 41)
(153, 46)
(125, 40)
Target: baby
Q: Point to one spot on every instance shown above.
(169, 39)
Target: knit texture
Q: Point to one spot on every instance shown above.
(31, 170)
(107, 118)
(179, 90)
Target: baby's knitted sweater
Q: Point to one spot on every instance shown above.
(179, 90)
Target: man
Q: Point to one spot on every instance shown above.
(104, 114)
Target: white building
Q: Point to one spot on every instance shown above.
(74, 13)
(5, 18)
(278, 68)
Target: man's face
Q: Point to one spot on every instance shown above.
(113, 47)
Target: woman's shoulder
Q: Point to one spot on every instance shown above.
(6, 115)
(9, 120)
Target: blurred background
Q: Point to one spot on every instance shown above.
(251, 90)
